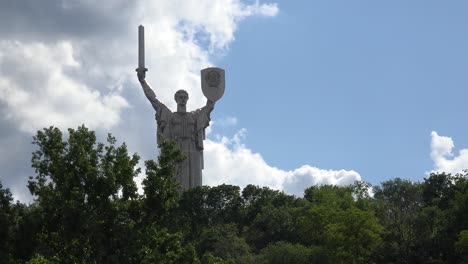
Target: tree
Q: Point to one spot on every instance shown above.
(28, 220)
(87, 210)
(461, 246)
(205, 206)
(222, 242)
(83, 189)
(224, 204)
(159, 240)
(457, 220)
(334, 224)
(437, 190)
(324, 204)
(271, 225)
(193, 216)
(161, 191)
(5, 221)
(284, 252)
(398, 204)
(255, 198)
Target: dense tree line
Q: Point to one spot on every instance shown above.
(87, 210)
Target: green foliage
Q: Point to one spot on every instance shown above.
(81, 187)
(284, 252)
(398, 203)
(208, 258)
(461, 246)
(223, 242)
(270, 225)
(5, 221)
(204, 205)
(157, 245)
(423, 220)
(87, 210)
(161, 195)
(255, 198)
(336, 224)
(39, 259)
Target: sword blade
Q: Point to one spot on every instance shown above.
(141, 47)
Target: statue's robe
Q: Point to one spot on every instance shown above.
(188, 131)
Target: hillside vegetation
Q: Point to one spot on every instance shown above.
(87, 209)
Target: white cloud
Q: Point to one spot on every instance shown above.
(181, 35)
(227, 121)
(38, 92)
(443, 157)
(65, 63)
(228, 160)
(78, 71)
(299, 179)
(67, 79)
(217, 19)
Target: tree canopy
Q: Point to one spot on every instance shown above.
(87, 209)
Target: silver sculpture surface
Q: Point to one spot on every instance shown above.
(187, 129)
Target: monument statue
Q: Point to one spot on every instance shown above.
(187, 129)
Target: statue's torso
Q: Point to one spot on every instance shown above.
(183, 125)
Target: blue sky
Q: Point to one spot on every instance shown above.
(352, 84)
(318, 92)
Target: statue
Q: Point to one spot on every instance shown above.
(187, 129)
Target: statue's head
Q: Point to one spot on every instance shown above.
(181, 97)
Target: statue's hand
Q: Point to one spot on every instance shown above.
(141, 75)
(210, 103)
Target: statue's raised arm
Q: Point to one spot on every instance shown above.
(148, 91)
(141, 70)
(186, 128)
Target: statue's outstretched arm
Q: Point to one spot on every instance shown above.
(148, 91)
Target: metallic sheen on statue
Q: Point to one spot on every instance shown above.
(187, 129)
(141, 49)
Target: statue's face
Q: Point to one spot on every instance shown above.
(181, 99)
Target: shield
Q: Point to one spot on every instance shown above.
(212, 83)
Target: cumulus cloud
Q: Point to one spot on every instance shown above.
(215, 21)
(66, 70)
(181, 35)
(38, 93)
(299, 179)
(65, 63)
(231, 162)
(57, 68)
(226, 121)
(443, 157)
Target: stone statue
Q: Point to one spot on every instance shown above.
(187, 129)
